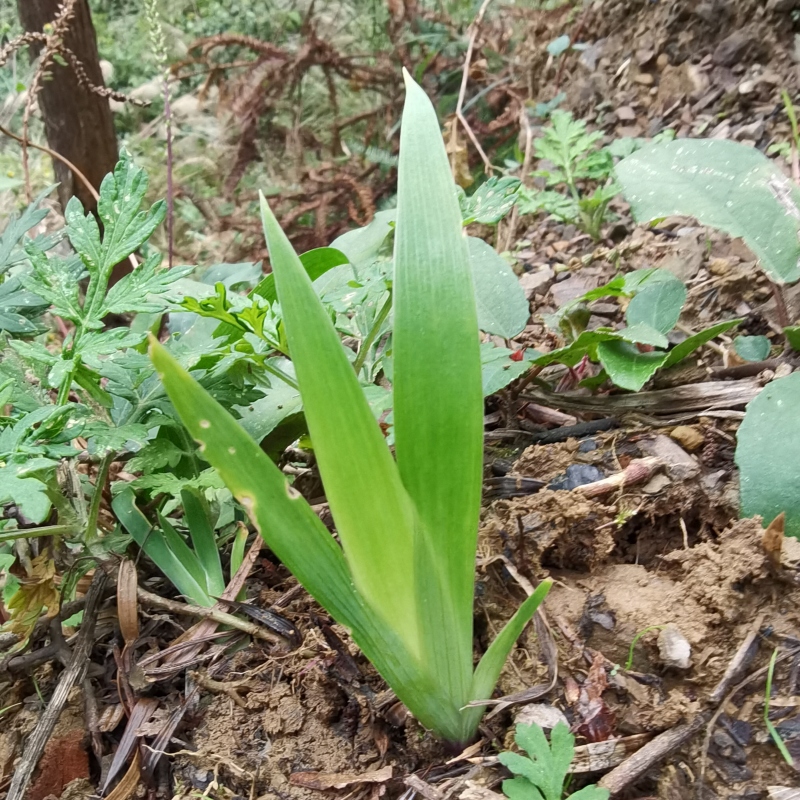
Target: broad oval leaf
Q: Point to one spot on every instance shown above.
(722, 184)
(657, 305)
(502, 306)
(768, 454)
(751, 348)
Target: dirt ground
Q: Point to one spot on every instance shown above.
(658, 585)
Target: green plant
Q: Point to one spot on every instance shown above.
(722, 184)
(402, 581)
(767, 445)
(576, 159)
(635, 641)
(196, 572)
(770, 726)
(630, 356)
(541, 775)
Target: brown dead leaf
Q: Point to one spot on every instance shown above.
(773, 539)
(596, 718)
(338, 780)
(458, 154)
(127, 604)
(130, 781)
(37, 591)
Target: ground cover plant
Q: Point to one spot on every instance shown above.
(403, 581)
(542, 773)
(739, 190)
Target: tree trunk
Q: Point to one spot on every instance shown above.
(78, 123)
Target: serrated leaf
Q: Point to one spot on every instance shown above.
(768, 443)
(138, 291)
(56, 281)
(491, 201)
(752, 348)
(155, 455)
(501, 303)
(641, 333)
(586, 344)
(722, 184)
(125, 228)
(17, 227)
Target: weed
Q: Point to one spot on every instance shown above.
(574, 159)
(403, 580)
(542, 774)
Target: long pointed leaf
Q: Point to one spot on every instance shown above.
(374, 517)
(203, 539)
(491, 665)
(438, 399)
(152, 542)
(300, 540)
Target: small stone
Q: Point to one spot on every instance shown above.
(732, 48)
(576, 475)
(587, 445)
(662, 62)
(645, 79)
(688, 436)
(747, 87)
(644, 57)
(626, 114)
(680, 465)
(674, 648)
(538, 282)
(656, 484)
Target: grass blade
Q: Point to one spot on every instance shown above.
(438, 400)
(203, 539)
(490, 666)
(374, 517)
(154, 545)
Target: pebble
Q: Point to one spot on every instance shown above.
(576, 475)
(538, 282)
(645, 79)
(688, 436)
(674, 648)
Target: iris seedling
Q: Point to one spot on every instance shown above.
(402, 580)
